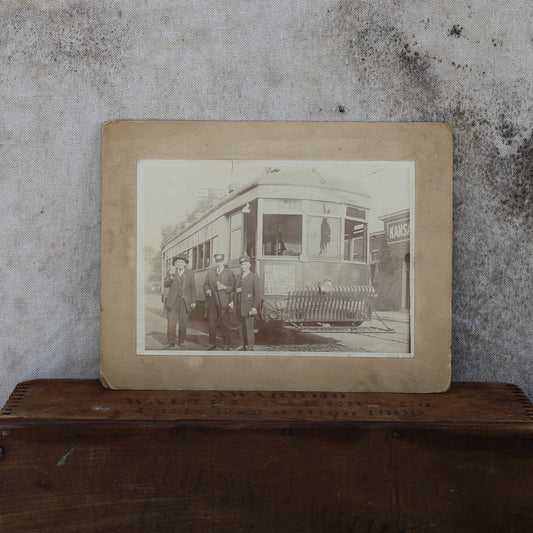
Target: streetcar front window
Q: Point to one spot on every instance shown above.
(282, 235)
(355, 241)
(323, 237)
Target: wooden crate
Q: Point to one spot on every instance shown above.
(78, 457)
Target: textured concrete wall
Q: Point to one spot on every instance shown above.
(66, 67)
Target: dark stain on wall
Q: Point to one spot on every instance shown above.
(65, 38)
(376, 48)
(381, 51)
(517, 197)
(456, 31)
(507, 130)
(79, 33)
(414, 62)
(492, 174)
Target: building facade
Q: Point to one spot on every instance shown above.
(390, 260)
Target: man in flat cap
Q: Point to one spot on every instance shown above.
(248, 298)
(180, 300)
(218, 289)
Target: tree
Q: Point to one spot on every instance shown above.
(202, 205)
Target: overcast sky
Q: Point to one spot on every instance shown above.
(167, 189)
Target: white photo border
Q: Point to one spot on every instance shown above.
(144, 175)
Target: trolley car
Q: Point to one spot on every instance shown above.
(307, 238)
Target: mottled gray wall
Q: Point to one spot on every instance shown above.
(66, 67)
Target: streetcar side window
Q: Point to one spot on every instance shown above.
(355, 241)
(200, 256)
(207, 253)
(194, 265)
(214, 245)
(282, 235)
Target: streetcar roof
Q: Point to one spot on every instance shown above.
(285, 178)
(291, 178)
(301, 178)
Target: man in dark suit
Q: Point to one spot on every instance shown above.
(248, 298)
(218, 289)
(181, 298)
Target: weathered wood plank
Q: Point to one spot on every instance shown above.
(464, 403)
(77, 457)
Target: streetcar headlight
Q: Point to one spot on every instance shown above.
(273, 315)
(325, 286)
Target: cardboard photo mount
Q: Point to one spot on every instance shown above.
(427, 145)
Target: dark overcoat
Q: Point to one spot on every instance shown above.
(189, 289)
(249, 295)
(227, 278)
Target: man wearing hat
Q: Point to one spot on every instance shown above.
(180, 300)
(248, 298)
(218, 289)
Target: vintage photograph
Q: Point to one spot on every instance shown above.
(259, 257)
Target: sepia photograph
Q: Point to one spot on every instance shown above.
(276, 256)
(272, 257)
